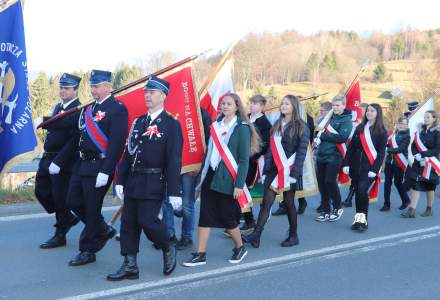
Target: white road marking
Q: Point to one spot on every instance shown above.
(43, 215)
(254, 268)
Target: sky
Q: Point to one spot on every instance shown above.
(66, 35)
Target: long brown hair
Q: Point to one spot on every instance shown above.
(378, 127)
(434, 115)
(255, 138)
(297, 124)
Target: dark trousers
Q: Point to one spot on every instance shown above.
(327, 176)
(51, 192)
(393, 171)
(361, 188)
(138, 215)
(86, 201)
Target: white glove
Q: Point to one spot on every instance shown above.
(119, 189)
(38, 121)
(101, 180)
(54, 169)
(291, 179)
(176, 202)
(317, 141)
(418, 157)
(371, 174)
(346, 170)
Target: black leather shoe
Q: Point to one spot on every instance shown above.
(355, 226)
(280, 211)
(169, 259)
(403, 206)
(109, 233)
(291, 240)
(385, 208)
(128, 270)
(302, 206)
(83, 258)
(58, 240)
(184, 244)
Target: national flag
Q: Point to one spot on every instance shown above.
(416, 119)
(17, 134)
(218, 85)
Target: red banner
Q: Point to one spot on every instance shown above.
(182, 103)
(354, 101)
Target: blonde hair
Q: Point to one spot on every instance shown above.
(339, 97)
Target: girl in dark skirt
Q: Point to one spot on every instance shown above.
(220, 190)
(283, 168)
(363, 161)
(424, 172)
(396, 164)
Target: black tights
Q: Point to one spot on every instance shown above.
(268, 200)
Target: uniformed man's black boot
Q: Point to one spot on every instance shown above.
(254, 237)
(58, 240)
(128, 270)
(169, 259)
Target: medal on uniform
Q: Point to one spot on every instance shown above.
(152, 130)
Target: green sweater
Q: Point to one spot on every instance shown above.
(239, 144)
(327, 150)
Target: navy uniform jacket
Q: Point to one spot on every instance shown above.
(162, 151)
(114, 125)
(61, 141)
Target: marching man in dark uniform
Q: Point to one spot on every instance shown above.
(103, 130)
(150, 168)
(55, 168)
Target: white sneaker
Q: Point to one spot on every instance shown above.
(336, 215)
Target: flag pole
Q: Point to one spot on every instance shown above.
(211, 76)
(123, 88)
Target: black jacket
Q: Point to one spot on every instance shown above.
(114, 126)
(298, 144)
(161, 151)
(62, 138)
(263, 127)
(357, 159)
(402, 139)
(431, 140)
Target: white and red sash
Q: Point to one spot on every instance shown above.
(430, 162)
(370, 151)
(342, 147)
(401, 160)
(245, 200)
(283, 164)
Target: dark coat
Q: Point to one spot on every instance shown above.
(402, 139)
(357, 159)
(297, 144)
(159, 152)
(62, 141)
(114, 126)
(431, 140)
(263, 127)
(328, 152)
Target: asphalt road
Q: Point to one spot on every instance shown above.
(395, 259)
